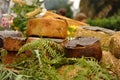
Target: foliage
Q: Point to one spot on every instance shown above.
(2, 28)
(20, 21)
(110, 23)
(71, 31)
(91, 70)
(6, 74)
(99, 8)
(45, 54)
(2, 53)
(47, 58)
(46, 47)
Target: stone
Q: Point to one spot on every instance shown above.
(51, 25)
(10, 33)
(69, 21)
(13, 43)
(101, 33)
(11, 40)
(85, 46)
(11, 57)
(114, 45)
(53, 28)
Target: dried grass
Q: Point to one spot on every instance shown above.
(109, 59)
(104, 37)
(69, 71)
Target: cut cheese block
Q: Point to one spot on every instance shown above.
(52, 28)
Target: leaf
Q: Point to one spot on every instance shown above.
(19, 77)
